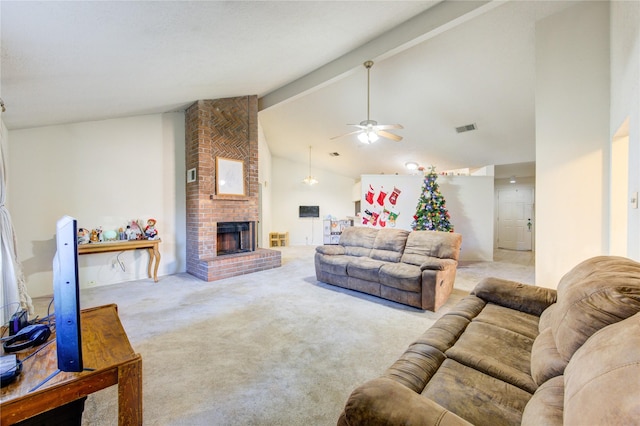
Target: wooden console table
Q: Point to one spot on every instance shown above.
(151, 245)
(105, 350)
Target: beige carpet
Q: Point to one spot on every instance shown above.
(270, 348)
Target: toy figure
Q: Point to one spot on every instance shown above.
(83, 236)
(150, 231)
(136, 232)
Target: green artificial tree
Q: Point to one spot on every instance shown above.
(431, 212)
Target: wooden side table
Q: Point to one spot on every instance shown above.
(151, 245)
(105, 349)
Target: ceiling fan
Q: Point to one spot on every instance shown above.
(369, 130)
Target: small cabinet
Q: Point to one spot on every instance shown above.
(278, 239)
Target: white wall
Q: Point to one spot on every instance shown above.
(103, 173)
(469, 201)
(625, 100)
(470, 204)
(572, 138)
(266, 185)
(333, 194)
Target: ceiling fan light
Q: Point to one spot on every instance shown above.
(363, 137)
(411, 165)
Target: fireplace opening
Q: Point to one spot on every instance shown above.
(235, 237)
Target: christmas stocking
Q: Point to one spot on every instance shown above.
(367, 217)
(383, 218)
(392, 218)
(375, 216)
(369, 196)
(393, 198)
(381, 197)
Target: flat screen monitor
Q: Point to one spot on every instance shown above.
(309, 211)
(66, 296)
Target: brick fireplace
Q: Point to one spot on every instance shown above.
(221, 228)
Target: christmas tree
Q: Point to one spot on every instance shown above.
(431, 212)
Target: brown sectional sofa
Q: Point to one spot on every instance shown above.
(513, 354)
(414, 268)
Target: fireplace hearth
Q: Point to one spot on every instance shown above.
(235, 237)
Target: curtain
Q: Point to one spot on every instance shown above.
(14, 290)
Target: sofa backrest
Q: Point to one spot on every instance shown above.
(422, 245)
(596, 293)
(602, 380)
(389, 244)
(358, 240)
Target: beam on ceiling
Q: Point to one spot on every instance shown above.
(433, 21)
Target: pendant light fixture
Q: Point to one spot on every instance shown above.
(310, 180)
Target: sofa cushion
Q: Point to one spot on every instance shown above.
(546, 362)
(497, 352)
(545, 318)
(401, 276)
(519, 322)
(515, 295)
(476, 397)
(389, 244)
(546, 406)
(364, 268)
(358, 240)
(602, 380)
(597, 292)
(445, 332)
(336, 265)
(416, 366)
(468, 307)
(331, 250)
(394, 405)
(424, 244)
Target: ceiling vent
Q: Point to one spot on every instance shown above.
(334, 154)
(467, 128)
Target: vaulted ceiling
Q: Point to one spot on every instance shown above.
(438, 65)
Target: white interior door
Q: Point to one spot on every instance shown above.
(515, 218)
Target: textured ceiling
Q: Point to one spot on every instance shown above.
(65, 62)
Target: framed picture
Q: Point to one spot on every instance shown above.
(229, 176)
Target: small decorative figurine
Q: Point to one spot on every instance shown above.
(83, 236)
(136, 232)
(150, 231)
(127, 233)
(94, 236)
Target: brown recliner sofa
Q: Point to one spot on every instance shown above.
(415, 268)
(513, 354)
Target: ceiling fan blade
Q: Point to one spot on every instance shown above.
(388, 135)
(346, 134)
(388, 126)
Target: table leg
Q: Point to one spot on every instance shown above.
(155, 269)
(130, 393)
(154, 253)
(151, 257)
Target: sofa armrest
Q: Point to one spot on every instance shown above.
(330, 250)
(511, 294)
(383, 401)
(437, 264)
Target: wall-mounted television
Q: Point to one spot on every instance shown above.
(309, 211)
